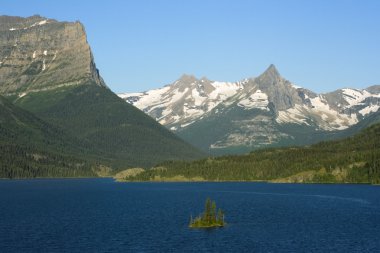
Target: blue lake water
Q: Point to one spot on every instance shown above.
(99, 215)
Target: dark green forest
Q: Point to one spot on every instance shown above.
(59, 140)
(31, 147)
(112, 128)
(26, 162)
(354, 159)
(80, 132)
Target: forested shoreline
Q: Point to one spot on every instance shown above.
(352, 160)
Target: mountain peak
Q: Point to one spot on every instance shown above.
(185, 78)
(58, 54)
(204, 79)
(272, 71)
(270, 75)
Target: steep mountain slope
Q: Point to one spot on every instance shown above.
(126, 135)
(264, 111)
(355, 159)
(37, 53)
(47, 68)
(183, 102)
(30, 147)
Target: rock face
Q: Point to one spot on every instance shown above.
(38, 53)
(255, 112)
(183, 102)
(47, 69)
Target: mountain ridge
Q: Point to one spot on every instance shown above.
(197, 109)
(36, 53)
(47, 69)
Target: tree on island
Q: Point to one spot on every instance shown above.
(209, 218)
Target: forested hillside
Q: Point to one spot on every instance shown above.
(30, 147)
(125, 136)
(57, 114)
(355, 159)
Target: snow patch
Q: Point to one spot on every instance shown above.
(320, 112)
(293, 115)
(295, 86)
(354, 97)
(149, 98)
(55, 56)
(198, 99)
(224, 90)
(127, 95)
(320, 104)
(192, 112)
(190, 104)
(43, 22)
(257, 100)
(187, 124)
(369, 109)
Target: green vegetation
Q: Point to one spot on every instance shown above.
(120, 135)
(86, 130)
(209, 218)
(26, 162)
(352, 160)
(30, 147)
(80, 131)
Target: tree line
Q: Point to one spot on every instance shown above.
(356, 158)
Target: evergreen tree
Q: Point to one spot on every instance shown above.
(213, 212)
(209, 218)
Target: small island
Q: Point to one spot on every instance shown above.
(209, 218)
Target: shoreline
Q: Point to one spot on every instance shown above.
(200, 181)
(247, 181)
(48, 178)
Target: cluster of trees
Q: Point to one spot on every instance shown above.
(356, 158)
(31, 147)
(67, 132)
(115, 131)
(209, 218)
(27, 162)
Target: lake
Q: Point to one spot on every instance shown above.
(100, 215)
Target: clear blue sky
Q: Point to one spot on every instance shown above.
(142, 44)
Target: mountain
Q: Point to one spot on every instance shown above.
(37, 53)
(47, 68)
(31, 147)
(256, 112)
(183, 102)
(351, 160)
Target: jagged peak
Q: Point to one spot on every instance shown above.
(205, 79)
(186, 78)
(271, 71)
(269, 76)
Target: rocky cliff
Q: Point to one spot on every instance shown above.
(37, 53)
(47, 69)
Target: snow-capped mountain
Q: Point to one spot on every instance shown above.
(183, 102)
(266, 110)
